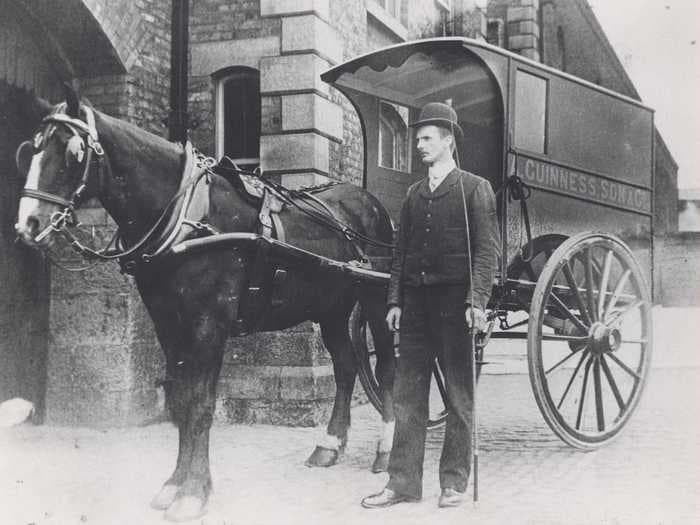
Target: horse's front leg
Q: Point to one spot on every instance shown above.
(194, 388)
(384, 370)
(176, 402)
(334, 331)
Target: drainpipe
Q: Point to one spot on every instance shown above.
(179, 48)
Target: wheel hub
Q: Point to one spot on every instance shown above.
(604, 339)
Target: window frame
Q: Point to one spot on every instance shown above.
(392, 21)
(220, 79)
(516, 120)
(381, 119)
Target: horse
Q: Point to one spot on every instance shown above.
(196, 300)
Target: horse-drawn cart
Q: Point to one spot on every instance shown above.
(573, 167)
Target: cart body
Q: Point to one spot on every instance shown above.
(585, 152)
(573, 167)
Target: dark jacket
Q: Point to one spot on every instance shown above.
(431, 246)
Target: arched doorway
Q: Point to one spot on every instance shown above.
(24, 275)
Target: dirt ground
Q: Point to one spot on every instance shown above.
(650, 475)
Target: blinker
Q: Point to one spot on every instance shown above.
(23, 157)
(75, 149)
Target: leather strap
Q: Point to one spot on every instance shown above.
(48, 197)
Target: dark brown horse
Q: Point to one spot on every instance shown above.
(195, 299)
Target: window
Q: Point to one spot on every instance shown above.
(393, 7)
(530, 111)
(238, 116)
(393, 136)
(445, 5)
(396, 9)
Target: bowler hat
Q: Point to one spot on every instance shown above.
(439, 114)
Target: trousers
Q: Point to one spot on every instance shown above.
(432, 326)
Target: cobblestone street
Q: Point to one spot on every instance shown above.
(650, 475)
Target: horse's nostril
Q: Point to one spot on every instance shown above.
(32, 224)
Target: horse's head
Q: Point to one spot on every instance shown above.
(57, 164)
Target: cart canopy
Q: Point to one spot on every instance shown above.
(558, 132)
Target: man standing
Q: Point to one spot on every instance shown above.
(448, 224)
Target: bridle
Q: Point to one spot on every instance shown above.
(83, 142)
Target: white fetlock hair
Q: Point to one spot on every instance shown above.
(386, 437)
(329, 441)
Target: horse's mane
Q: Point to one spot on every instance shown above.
(141, 136)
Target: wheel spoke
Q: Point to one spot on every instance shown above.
(582, 401)
(571, 338)
(622, 315)
(612, 383)
(603, 288)
(626, 368)
(598, 387)
(617, 292)
(589, 285)
(562, 361)
(572, 284)
(571, 380)
(565, 310)
(440, 383)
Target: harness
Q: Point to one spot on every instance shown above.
(187, 208)
(186, 212)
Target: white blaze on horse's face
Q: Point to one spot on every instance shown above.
(29, 207)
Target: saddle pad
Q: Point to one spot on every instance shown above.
(259, 190)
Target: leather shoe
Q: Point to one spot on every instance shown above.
(451, 498)
(385, 498)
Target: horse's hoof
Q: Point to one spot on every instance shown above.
(165, 497)
(322, 457)
(381, 462)
(186, 508)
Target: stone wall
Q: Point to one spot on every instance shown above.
(103, 358)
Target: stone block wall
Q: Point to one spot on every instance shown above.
(104, 360)
(276, 377)
(103, 357)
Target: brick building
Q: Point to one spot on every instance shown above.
(255, 95)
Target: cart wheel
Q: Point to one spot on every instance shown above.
(589, 352)
(365, 354)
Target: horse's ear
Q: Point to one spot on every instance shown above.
(72, 99)
(33, 108)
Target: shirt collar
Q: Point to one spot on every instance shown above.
(438, 172)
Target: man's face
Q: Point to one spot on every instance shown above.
(432, 146)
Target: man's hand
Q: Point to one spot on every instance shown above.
(476, 318)
(393, 318)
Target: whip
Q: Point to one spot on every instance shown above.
(472, 337)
